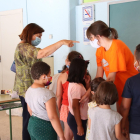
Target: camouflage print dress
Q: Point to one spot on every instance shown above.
(25, 56)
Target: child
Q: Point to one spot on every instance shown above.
(130, 107)
(53, 85)
(41, 103)
(94, 84)
(104, 123)
(77, 117)
(62, 94)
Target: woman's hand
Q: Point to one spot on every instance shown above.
(69, 43)
(80, 130)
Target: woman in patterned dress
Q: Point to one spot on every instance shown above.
(26, 54)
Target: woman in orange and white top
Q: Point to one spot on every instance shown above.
(113, 56)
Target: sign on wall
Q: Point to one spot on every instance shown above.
(88, 14)
(85, 39)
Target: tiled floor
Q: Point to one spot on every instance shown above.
(5, 128)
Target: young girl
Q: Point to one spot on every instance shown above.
(41, 102)
(104, 123)
(77, 117)
(62, 94)
(94, 84)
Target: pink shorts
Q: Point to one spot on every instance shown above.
(64, 111)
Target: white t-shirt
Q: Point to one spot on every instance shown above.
(103, 123)
(53, 85)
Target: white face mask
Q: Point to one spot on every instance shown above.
(94, 43)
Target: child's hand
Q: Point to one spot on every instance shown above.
(80, 130)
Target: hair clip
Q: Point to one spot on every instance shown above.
(109, 29)
(80, 56)
(87, 61)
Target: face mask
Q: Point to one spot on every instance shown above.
(67, 66)
(36, 41)
(48, 82)
(136, 68)
(94, 43)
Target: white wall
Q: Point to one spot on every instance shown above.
(6, 5)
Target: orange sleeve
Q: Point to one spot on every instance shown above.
(99, 57)
(117, 61)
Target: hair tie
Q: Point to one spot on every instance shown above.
(80, 56)
(87, 61)
(109, 29)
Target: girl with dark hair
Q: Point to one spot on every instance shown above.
(26, 54)
(62, 94)
(113, 56)
(77, 117)
(104, 123)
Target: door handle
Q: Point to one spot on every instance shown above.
(0, 58)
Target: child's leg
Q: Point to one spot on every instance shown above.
(63, 117)
(67, 131)
(84, 123)
(73, 126)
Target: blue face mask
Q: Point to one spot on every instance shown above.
(36, 41)
(67, 66)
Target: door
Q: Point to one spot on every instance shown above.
(11, 25)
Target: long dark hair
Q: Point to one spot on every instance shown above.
(102, 29)
(77, 70)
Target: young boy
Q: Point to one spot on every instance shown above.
(41, 103)
(130, 107)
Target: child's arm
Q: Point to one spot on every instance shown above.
(29, 110)
(76, 110)
(86, 96)
(124, 111)
(118, 133)
(87, 81)
(53, 116)
(89, 123)
(59, 92)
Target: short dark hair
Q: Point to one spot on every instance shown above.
(29, 31)
(106, 93)
(77, 70)
(38, 69)
(74, 54)
(95, 83)
(137, 52)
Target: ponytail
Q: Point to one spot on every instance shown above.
(114, 34)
